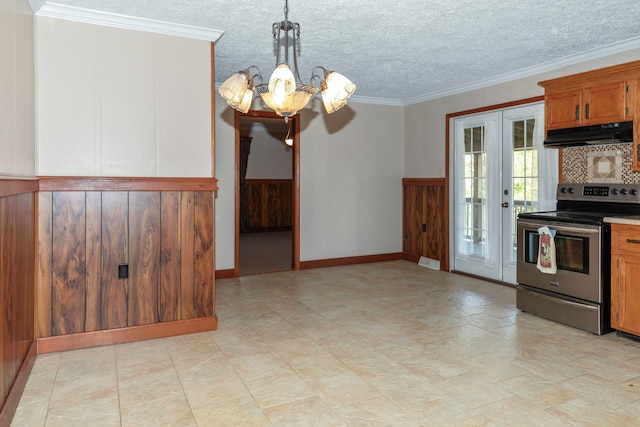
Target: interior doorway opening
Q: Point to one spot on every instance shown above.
(267, 191)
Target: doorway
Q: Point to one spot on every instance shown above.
(500, 170)
(267, 193)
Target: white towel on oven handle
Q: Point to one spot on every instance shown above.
(547, 251)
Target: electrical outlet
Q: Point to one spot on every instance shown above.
(123, 271)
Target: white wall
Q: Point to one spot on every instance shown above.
(17, 105)
(270, 158)
(117, 102)
(425, 123)
(350, 182)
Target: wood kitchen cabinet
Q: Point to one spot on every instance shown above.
(604, 103)
(423, 224)
(605, 95)
(625, 270)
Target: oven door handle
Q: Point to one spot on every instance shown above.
(563, 228)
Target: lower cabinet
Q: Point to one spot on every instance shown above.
(424, 225)
(625, 271)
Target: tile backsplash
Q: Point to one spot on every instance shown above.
(599, 163)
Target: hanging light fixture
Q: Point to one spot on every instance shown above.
(285, 93)
(289, 138)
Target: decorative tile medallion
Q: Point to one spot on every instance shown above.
(599, 163)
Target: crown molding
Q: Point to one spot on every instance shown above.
(612, 49)
(55, 10)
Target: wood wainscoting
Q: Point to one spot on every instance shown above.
(158, 232)
(270, 204)
(425, 223)
(17, 266)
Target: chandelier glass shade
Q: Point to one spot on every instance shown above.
(285, 93)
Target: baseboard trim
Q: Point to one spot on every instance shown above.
(128, 334)
(225, 274)
(334, 262)
(410, 257)
(15, 393)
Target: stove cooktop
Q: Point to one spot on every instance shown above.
(584, 203)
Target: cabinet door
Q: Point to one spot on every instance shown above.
(625, 293)
(413, 208)
(563, 109)
(604, 104)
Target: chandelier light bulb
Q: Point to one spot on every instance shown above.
(282, 82)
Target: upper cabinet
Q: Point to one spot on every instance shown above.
(589, 106)
(606, 95)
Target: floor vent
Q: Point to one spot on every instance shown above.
(429, 263)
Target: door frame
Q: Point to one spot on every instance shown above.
(449, 166)
(295, 194)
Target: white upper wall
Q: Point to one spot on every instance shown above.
(17, 104)
(350, 182)
(425, 123)
(270, 158)
(118, 102)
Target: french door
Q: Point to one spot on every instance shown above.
(500, 169)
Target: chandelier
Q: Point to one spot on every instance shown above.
(285, 93)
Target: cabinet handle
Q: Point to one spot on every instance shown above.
(577, 113)
(634, 241)
(586, 111)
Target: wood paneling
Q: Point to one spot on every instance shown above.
(68, 263)
(424, 222)
(270, 204)
(203, 291)
(165, 237)
(17, 294)
(144, 257)
(170, 257)
(115, 244)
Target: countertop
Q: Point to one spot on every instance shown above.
(631, 220)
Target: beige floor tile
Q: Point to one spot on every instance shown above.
(448, 412)
(243, 411)
(259, 366)
(306, 412)
(409, 390)
(472, 390)
(376, 366)
(584, 413)
(205, 391)
(149, 387)
(517, 412)
(379, 411)
(279, 389)
(344, 389)
(101, 411)
(173, 411)
(200, 365)
(317, 365)
(539, 391)
(73, 390)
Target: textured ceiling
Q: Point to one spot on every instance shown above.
(431, 47)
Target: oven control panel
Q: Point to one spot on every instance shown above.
(622, 193)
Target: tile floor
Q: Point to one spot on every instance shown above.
(387, 344)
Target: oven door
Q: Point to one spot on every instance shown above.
(578, 257)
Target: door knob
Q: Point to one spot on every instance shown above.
(505, 204)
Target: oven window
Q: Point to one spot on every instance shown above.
(572, 253)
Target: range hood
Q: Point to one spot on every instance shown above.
(611, 133)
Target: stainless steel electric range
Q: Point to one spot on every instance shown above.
(578, 293)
